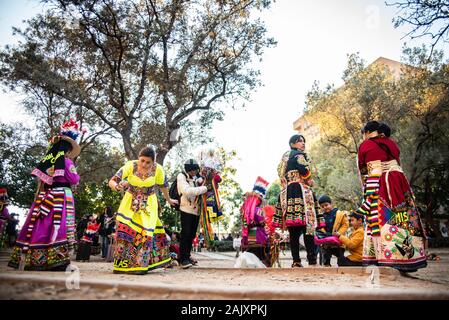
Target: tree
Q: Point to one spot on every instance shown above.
(427, 18)
(368, 94)
(231, 193)
(415, 105)
(170, 216)
(273, 193)
(20, 150)
(140, 69)
(94, 198)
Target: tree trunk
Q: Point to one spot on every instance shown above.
(166, 146)
(160, 157)
(131, 154)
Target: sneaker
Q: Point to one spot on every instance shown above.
(297, 264)
(193, 261)
(186, 264)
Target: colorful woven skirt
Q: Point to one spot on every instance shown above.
(400, 243)
(296, 207)
(35, 247)
(213, 205)
(138, 249)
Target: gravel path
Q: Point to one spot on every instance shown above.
(214, 274)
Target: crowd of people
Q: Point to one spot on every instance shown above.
(385, 230)
(8, 222)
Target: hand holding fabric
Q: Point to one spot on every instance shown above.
(172, 202)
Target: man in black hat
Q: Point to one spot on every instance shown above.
(190, 185)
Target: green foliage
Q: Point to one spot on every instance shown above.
(94, 198)
(20, 150)
(273, 193)
(138, 69)
(416, 106)
(231, 194)
(169, 216)
(223, 245)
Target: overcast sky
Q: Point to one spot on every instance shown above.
(314, 38)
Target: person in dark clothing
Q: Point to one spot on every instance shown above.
(11, 230)
(336, 221)
(189, 187)
(297, 207)
(107, 225)
(81, 226)
(111, 236)
(85, 245)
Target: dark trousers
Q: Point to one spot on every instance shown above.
(295, 234)
(189, 224)
(104, 246)
(345, 262)
(328, 252)
(83, 252)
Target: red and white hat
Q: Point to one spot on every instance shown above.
(4, 199)
(260, 187)
(70, 131)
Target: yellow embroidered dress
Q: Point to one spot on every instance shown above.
(140, 243)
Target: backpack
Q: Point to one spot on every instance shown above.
(173, 192)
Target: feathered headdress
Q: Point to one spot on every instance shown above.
(62, 145)
(71, 129)
(260, 187)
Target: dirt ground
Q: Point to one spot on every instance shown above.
(215, 273)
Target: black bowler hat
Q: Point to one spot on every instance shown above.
(191, 165)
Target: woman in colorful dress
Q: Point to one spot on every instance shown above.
(4, 216)
(394, 234)
(140, 243)
(110, 254)
(48, 234)
(297, 207)
(255, 232)
(85, 245)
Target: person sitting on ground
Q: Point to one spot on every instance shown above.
(336, 222)
(354, 243)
